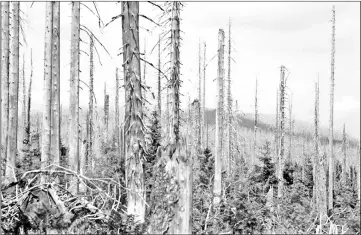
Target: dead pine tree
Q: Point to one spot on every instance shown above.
(23, 111)
(229, 105)
(1, 158)
(13, 92)
(28, 121)
(219, 114)
(199, 121)
(204, 95)
(316, 158)
(277, 125)
(281, 160)
(134, 127)
(159, 82)
(117, 110)
(255, 126)
(55, 84)
(344, 155)
(90, 134)
(5, 46)
(330, 137)
(74, 146)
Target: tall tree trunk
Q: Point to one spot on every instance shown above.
(1, 65)
(229, 104)
(282, 134)
(117, 127)
(316, 159)
(23, 111)
(255, 126)
(46, 131)
(159, 97)
(330, 138)
(13, 92)
(90, 139)
(204, 94)
(277, 126)
(74, 96)
(106, 116)
(290, 136)
(219, 113)
(199, 121)
(134, 126)
(344, 155)
(5, 46)
(55, 93)
(28, 124)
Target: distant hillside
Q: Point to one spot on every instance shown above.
(267, 123)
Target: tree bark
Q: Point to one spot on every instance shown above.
(117, 127)
(5, 48)
(90, 139)
(74, 96)
(282, 134)
(330, 138)
(134, 125)
(229, 104)
(344, 155)
(55, 93)
(219, 113)
(28, 124)
(13, 92)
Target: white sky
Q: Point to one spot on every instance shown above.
(265, 35)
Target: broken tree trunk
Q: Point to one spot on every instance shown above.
(219, 113)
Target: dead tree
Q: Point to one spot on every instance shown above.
(55, 83)
(159, 97)
(344, 155)
(282, 133)
(13, 92)
(134, 126)
(219, 114)
(74, 147)
(277, 125)
(204, 94)
(229, 104)
(199, 121)
(117, 110)
(290, 134)
(23, 112)
(90, 137)
(1, 159)
(255, 125)
(316, 159)
(330, 137)
(5, 48)
(28, 124)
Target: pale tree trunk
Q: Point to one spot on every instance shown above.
(255, 126)
(229, 104)
(106, 117)
(90, 135)
(344, 156)
(204, 94)
(74, 96)
(219, 130)
(330, 138)
(290, 135)
(159, 97)
(5, 46)
(46, 131)
(282, 134)
(199, 121)
(117, 127)
(28, 124)
(1, 158)
(13, 92)
(322, 200)
(134, 128)
(55, 93)
(23, 112)
(179, 164)
(316, 159)
(277, 125)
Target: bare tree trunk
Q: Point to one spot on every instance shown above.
(204, 95)
(117, 127)
(23, 112)
(229, 104)
(28, 123)
(106, 116)
(5, 46)
(1, 65)
(282, 134)
(277, 126)
(199, 121)
(55, 93)
(322, 188)
(358, 172)
(134, 128)
(46, 131)
(74, 96)
(219, 113)
(255, 126)
(13, 93)
(330, 138)
(316, 159)
(344, 155)
(159, 97)
(90, 138)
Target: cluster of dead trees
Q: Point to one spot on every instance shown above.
(176, 152)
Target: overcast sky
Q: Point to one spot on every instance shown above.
(265, 35)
